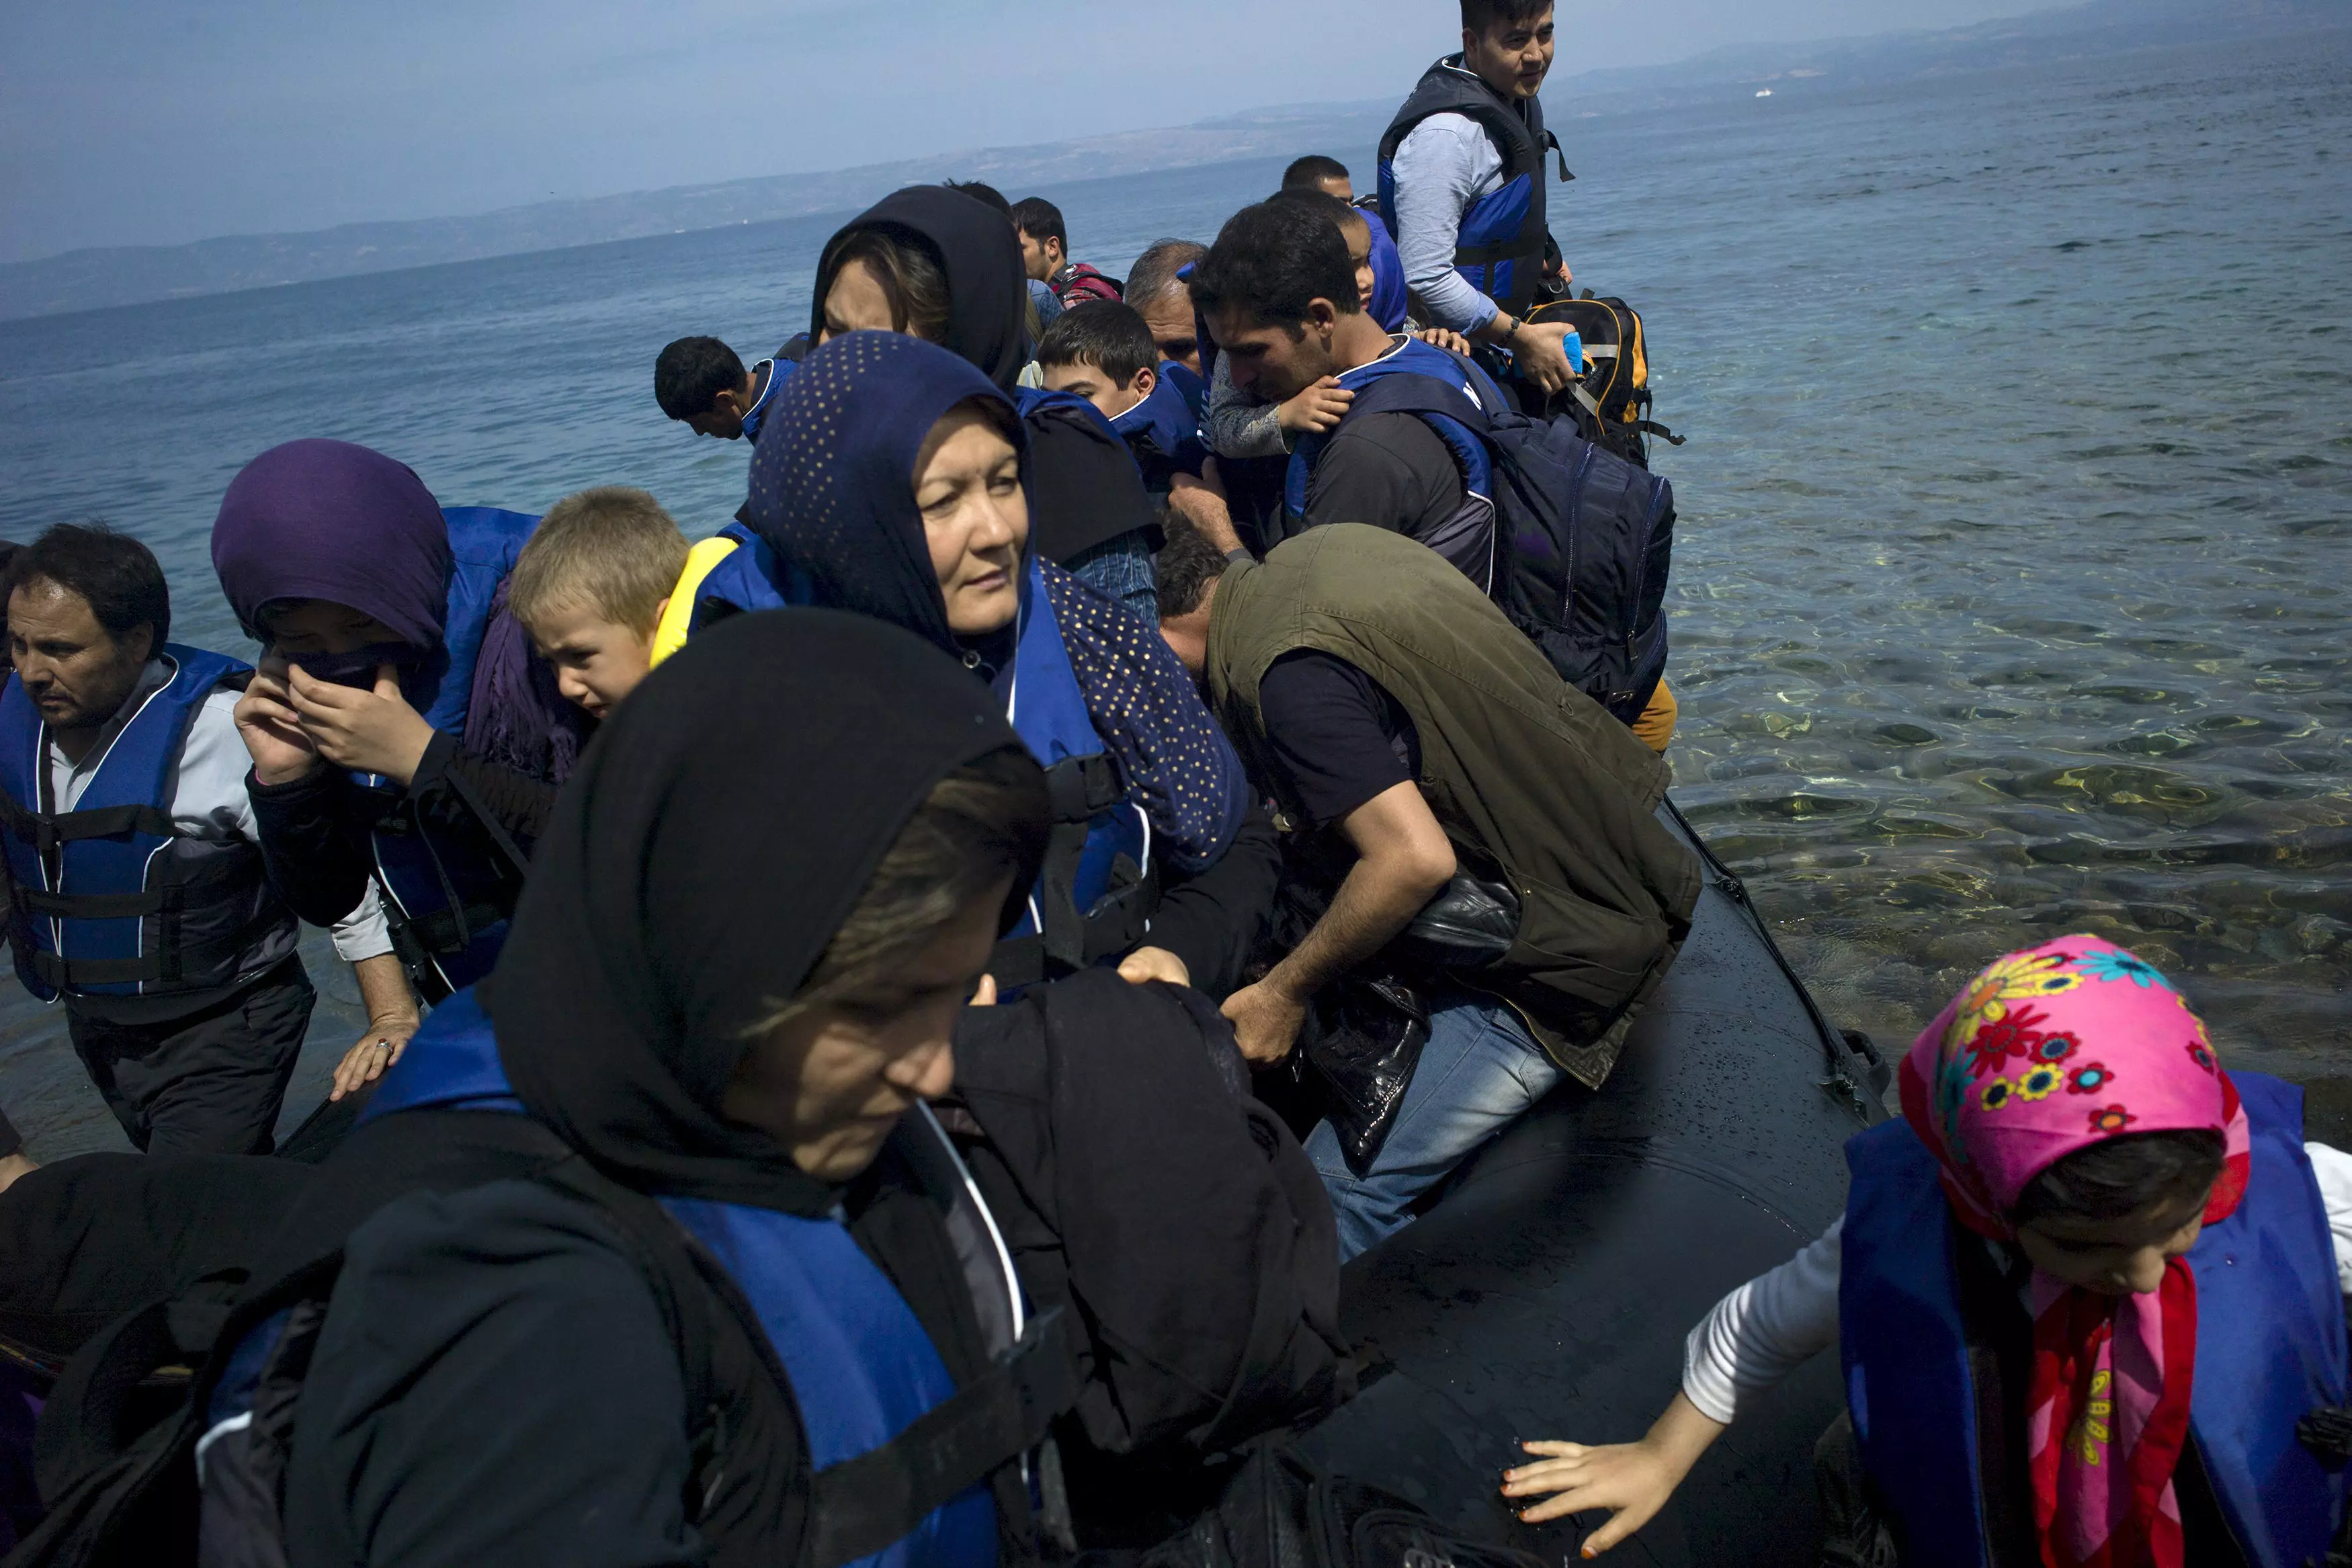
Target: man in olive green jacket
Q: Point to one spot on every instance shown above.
(1409, 732)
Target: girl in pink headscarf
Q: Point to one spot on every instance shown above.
(2082, 1220)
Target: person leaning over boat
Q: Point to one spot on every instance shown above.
(701, 383)
(135, 883)
(1414, 737)
(896, 482)
(1461, 187)
(399, 724)
(2086, 1290)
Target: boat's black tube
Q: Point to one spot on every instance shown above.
(1548, 1292)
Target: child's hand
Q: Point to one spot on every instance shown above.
(1632, 1480)
(1317, 410)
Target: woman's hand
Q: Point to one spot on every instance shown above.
(271, 730)
(1632, 1480)
(368, 732)
(1147, 964)
(377, 1049)
(1452, 342)
(1317, 410)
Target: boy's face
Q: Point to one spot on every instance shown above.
(1359, 236)
(1512, 57)
(1090, 383)
(596, 662)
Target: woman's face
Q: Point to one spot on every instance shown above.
(2115, 1257)
(831, 1083)
(304, 626)
(975, 518)
(857, 302)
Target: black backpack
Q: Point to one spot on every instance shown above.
(1610, 405)
(1584, 540)
(121, 1480)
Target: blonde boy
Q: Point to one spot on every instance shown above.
(591, 587)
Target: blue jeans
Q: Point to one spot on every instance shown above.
(1479, 1071)
(1120, 569)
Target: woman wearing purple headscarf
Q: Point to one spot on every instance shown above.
(401, 726)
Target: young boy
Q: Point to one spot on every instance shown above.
(590, 588)
(1104, 353)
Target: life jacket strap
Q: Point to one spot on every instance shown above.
(45, 832)
(171, 963)
(862, 1505)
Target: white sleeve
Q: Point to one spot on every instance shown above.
(1440, 169)
(363, 932)
(207, 784)
(1765, 1330)
(2334, 1169)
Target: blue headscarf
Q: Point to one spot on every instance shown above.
(832, 479)
(833, 493)
(1389, 292)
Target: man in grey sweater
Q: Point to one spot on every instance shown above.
(1463, 188)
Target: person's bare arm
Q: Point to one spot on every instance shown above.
(1403, 858)
(1632, 1480)
(391, 1018)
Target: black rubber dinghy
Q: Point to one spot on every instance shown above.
(1547, 1293)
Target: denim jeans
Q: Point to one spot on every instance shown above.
(1120, 569)
(1479, 1071)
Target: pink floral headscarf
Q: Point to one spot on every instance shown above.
(2045, 1052)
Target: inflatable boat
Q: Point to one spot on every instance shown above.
(1547, 1292)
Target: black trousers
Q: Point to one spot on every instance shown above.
(208, 1082)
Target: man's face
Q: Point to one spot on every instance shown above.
(1094, 385)
(1173, 327)
(724, 418)
(596, 662)
(1274, 362)
(76, 672)
(1041, 257)
(1512, 57)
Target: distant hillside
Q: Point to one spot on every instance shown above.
(92, 279)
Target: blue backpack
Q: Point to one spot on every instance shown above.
(1584, 539)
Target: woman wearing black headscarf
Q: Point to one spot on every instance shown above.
(897, 484)
(945, 266)
(739, 1019)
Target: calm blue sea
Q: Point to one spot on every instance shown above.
(2010, 595)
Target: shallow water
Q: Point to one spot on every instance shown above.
(2011, 593)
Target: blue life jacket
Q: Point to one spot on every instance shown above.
(1164, 431)
(1467, 538)
(2271, 1346)
(749, 578)
(1190, 387)
(1503, 242)
(108, 900)
(1097, 889)
(1032, 402)
(1392, 297)
(861, 1367)
(448, 907)
(780, 370)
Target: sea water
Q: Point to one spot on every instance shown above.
(2010, 597)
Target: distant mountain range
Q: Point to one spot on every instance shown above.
(92, 279)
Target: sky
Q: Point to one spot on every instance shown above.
(160, 121)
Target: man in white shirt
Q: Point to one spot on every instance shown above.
(1463, 188)
(135, 879)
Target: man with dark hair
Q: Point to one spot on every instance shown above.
(1158, 293)
(981, 191)
(132, 859)
(1420, 746)
(701, 383)
(1317, 173)
(1462, 185)
(1045, 252)
(1280, 293)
